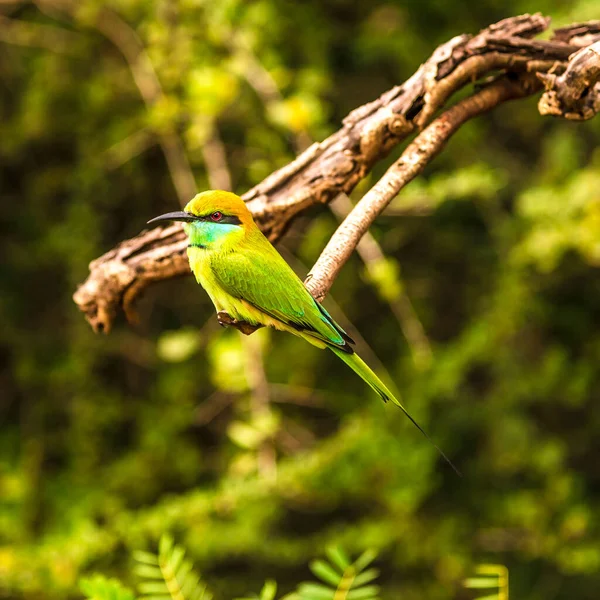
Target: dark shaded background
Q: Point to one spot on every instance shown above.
(108, 441)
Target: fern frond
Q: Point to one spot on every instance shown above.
(168, 576)
(342, 579)
(99, 587)
(490, 576)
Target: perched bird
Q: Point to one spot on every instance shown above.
(248, 281)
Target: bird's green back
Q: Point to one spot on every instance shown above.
(257, 274)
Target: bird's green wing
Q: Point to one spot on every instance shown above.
(266, 281)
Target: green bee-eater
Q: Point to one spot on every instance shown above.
(247, 278)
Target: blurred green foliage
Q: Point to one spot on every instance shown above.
(259, 453)
(169, 575)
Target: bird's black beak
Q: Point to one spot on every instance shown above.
(178, 215)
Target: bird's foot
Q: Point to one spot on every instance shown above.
(226, 320)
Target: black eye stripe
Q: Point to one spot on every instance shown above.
(231, 220)
(225, 219)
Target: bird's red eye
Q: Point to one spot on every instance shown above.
(216, 216)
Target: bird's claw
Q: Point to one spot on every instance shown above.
(226, 320)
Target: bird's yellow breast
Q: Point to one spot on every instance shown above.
(200, 264)
(237, 308)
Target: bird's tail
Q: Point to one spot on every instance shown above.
(360, 367)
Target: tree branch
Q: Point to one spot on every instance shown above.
(575, 94)
(412, 162)
(503, 50)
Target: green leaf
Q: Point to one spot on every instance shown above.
(364, 593)
(165, 545)
(190, 584)
(490, 569)
(184, 570)
(176, 558)
(325, 572)
(337, 556)
(365, 559)
(315, 591)
(152, 587)
(147, 572)
(480, 582)
(145, 557)
(365, 577)
(268, 590)
(99, 587)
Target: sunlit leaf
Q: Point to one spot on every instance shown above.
(99, 587)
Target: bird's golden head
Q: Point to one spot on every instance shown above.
(219, 206)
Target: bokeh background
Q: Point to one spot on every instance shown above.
(257, 453)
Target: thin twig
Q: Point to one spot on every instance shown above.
(412, 162)
(21, 33)
(295, 394)
(372, 255)
(260, 403)
(212, 407)
(215, 161)
(294, 438)
(131, 146)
